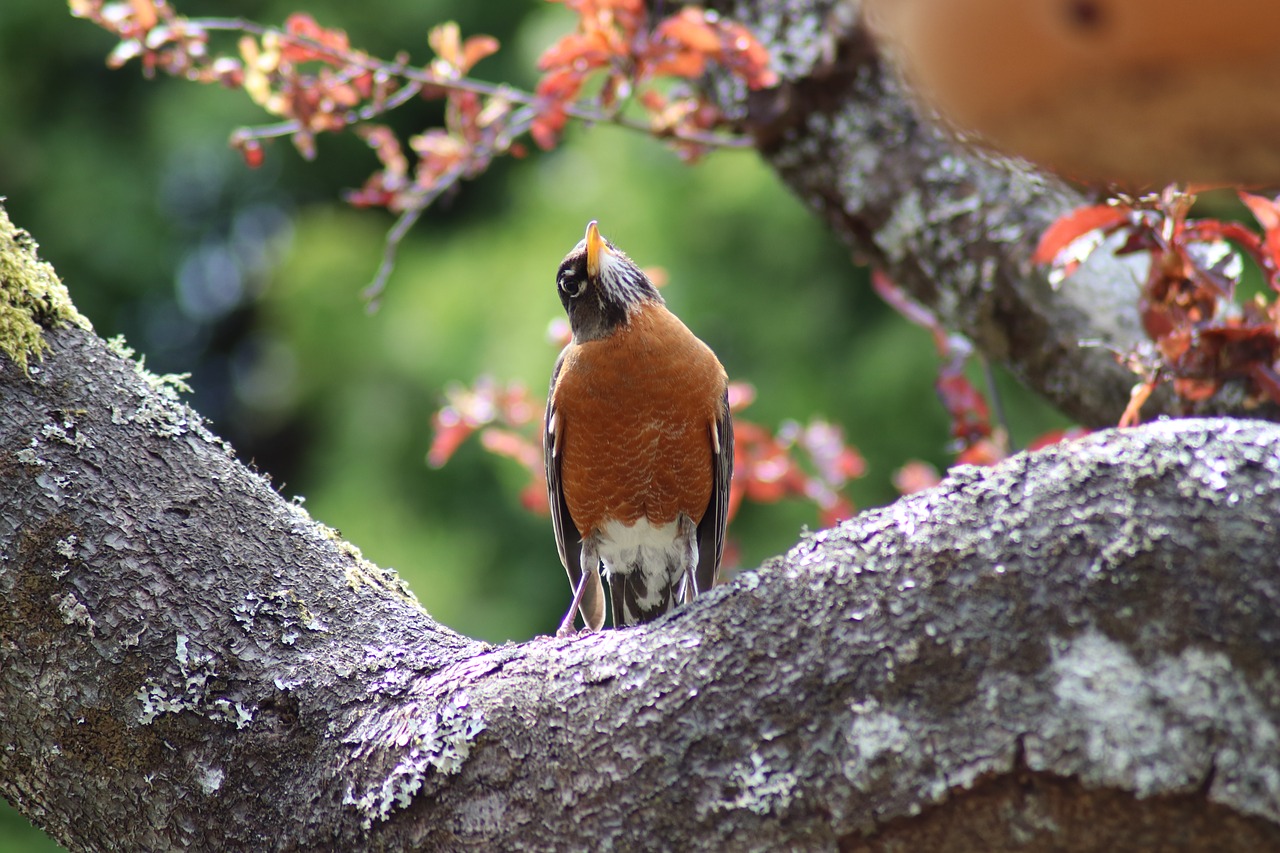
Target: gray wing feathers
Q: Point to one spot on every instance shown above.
(568, 539)
(711, 528)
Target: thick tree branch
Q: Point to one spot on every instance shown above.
(1079, 649)
(953, 226)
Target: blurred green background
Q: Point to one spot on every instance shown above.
(251, 281)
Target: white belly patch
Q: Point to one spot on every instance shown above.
(654, 550)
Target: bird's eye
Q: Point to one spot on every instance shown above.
(572, 286)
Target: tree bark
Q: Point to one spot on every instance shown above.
(1078, 649)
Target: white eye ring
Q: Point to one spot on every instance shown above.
(567, 284)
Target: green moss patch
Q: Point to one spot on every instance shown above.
(32, 298)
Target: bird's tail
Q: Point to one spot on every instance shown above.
(634, 601)
(654, 581)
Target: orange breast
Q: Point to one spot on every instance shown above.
(636, 413)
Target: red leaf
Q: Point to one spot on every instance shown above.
(253, 154)
(970, 417)
(1267, 212)
(332, 43)
(1054, 436)
(737, 490)
(513, 445)
(250, 149)
(546, 128)
(450, 432)
(533, 497)
(984, 452)
(1075, 225)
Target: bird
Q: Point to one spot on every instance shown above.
(637, 444)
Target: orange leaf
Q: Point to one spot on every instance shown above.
(591, 49)
(683, 64)
(983, 452)
(561, 86)
(475, 49)
(333, 42)
(446, 40)
(144, 13)
(747, 57)
(690, 28)
(449, 435)
(766, 491)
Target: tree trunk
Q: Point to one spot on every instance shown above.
(1078, 649)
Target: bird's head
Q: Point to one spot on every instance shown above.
(600, 286)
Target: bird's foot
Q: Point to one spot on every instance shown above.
(566, 629)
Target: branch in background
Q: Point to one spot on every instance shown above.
(953, 226)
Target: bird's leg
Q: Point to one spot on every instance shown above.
(590, 565)
(687, 534)
(566, 624)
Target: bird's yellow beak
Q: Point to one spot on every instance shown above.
(595, 248)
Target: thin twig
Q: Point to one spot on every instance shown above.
(407, 219)
(424, 77)
(997, 406)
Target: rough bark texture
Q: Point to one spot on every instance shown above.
(1078, 649)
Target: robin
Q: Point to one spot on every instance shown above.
(638, 444)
